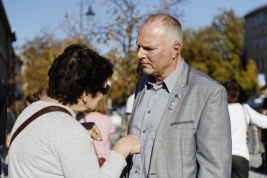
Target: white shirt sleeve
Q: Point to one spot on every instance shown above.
(256, 118)
(129, 104)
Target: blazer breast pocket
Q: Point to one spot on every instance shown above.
(182, 123)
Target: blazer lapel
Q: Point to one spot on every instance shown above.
(169, 114)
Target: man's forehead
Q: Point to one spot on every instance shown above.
(152, 24)
(150, 32)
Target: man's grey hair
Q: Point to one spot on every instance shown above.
(171, 24)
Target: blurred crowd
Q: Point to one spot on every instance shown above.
(14, 109)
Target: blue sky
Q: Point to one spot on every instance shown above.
(29, 17)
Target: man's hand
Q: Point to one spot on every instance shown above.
(93, 130)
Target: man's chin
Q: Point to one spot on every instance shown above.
(147, 71)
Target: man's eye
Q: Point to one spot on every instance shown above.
(147, 49)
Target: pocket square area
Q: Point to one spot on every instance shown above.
(182, 122)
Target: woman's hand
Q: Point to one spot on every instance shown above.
(8, 138)
(6, 160)
(93, 130)
(129, 144)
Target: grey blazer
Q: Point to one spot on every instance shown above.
(194, 137)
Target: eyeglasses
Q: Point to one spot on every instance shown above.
(104, 91)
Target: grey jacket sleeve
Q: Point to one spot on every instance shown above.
(213, 137)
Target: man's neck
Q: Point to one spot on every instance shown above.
(160, 78)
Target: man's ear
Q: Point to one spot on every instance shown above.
(177, 47)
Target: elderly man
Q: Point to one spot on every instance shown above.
(180, 114)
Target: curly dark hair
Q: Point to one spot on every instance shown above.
(76, 70)
(232, 91)
(32, 97)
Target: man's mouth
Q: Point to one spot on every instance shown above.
(145, 64)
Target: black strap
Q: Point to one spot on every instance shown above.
(35, 116)
(3, 120)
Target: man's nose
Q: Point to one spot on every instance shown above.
(140, 53)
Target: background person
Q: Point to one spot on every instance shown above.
(106, 127)
(15, 107)
(42, 92)
(57, 145)
(257, 101)
(180, 114)
(31, 97)
(263, 135)
(129, 108)
(239, 122)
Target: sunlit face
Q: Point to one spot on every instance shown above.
(89, 103)
(154, 50)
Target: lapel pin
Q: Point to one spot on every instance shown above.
(172, 103)
(177, 96)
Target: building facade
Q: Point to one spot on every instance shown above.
(10, 65)
(256, 37)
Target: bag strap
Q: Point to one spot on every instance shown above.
(35, 116)
(245, 111)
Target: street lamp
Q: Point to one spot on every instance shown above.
(90, 13)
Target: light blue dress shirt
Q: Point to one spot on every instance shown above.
(147, 118)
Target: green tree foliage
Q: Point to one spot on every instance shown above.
(247, 78)
(118, 91)
(216, 50)
(37, 56)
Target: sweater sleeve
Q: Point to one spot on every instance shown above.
(113, 165)
(256, 118)
(75, 151)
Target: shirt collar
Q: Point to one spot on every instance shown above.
(172, 78)
(169, 82)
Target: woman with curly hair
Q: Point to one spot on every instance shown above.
(55, 144)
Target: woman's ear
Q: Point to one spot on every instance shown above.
(85, 97)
